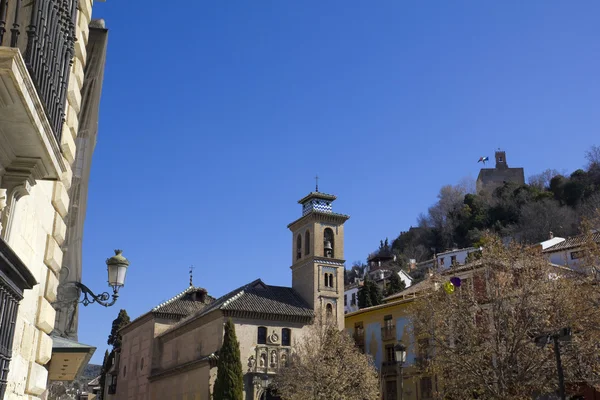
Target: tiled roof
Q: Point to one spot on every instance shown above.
(256, 297)
(184, 303)
(572, 242)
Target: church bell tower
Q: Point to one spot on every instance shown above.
(318, 255)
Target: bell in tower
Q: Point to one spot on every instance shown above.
(328, 249)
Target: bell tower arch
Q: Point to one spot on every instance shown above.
(318, 255)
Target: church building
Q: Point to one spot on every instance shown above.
(171, 352)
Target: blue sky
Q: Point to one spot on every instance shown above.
(217, 115)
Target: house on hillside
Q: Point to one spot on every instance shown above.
(568, 252)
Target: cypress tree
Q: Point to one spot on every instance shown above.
(229, 384)
(114, 339)
(395, 285)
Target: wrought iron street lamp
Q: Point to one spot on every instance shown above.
(400, 352)
(563, 335)
(117, 269)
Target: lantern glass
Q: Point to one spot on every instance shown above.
(116, 275)
(400, 351)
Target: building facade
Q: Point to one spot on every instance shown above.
(164, 357)
(491, 178)
(40, 108)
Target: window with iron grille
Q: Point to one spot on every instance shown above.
(14, 278)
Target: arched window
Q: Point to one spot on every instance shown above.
(299, 247)
(286, 337)
(325, 280)
(331, 280)
(307, 243)
(262, 335)
(328, 244)
(329, 310)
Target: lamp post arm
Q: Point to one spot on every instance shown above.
(90, 297)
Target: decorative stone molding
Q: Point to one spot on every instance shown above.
(44, 349)
(51, 287)
(37, 379)
(59, 229)
(17, 180)
(60, 199)
(46, 316)
(53, 255)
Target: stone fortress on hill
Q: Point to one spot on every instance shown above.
(171, 351)
(490, 178)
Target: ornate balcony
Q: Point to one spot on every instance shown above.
(36, 48)
(359, 338)
(388, 333)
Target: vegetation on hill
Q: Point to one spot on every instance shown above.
(549, 202)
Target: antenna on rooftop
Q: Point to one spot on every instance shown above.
(192, 275)
(317, 181)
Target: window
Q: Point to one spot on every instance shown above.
(329, 310)
(426, 388)
(390, 353)
(423, 345)
(8, 316)
(125, 370)
(307, 243)
(576, 254)
(298, 247)
(388, 321)
(452, 260)
(328, 280)
(353, 301)
(345, 300)
(328, 245)
(262, 335)
(142, 364)
(442, 261)
(286, 337)
(390, 390)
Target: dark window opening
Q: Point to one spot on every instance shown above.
(328, 245)
(307, 243)
(329, 310)
(286, 337)
(390, 353)
(262, 335)
(299, 247)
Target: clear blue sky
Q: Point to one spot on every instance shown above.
(216, 116)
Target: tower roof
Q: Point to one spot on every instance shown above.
(317, 195)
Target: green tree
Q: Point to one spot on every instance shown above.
(114, 339)
(103, 372)
(230, 381)
(370, 294)
(395, 285)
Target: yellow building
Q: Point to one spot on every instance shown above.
(376, 330)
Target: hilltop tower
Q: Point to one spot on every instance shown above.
(318, 255)
(490, 178)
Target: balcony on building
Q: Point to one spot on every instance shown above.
(37, 46)
(359, 338)
(388, 332)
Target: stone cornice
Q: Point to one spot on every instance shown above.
(333, 218)
(266, 316)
